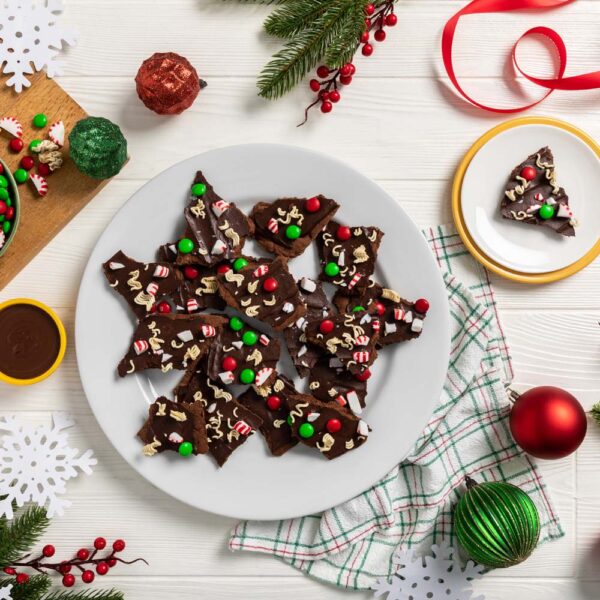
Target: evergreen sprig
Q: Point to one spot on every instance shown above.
(595, 412)
(20, 534)
(33, 589)
(86, 595)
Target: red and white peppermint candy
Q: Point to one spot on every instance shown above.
(57, 133)
(243, 428)
(533, 208)
(399, 314)
(362, 340)
(161, 271)
(539, 197)
(175, 438)
(341, 400)
(12, 126)
(273, 226)
(115, 266)
(376, 324)
(564, 211)
(40, 184)
(140, 346)
(152, 288)
(261, 271)
(361, 356)
(264, 339)
(219, 248)
(355, 279)
(219, 207)
(192, 305)
(208, 331)
(263, 375)
(227, 377)
(354, 402)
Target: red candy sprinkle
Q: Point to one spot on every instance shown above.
(16, 144)
(27, 163)
(273, 402)
(313, 205)
(223, 268)
(164, 307)
(10, 213)
(326, 326)
(270, 284)
(528, 173)
(229, 363)
(422, 306)
(43, 170)
(333, 425)
(366, 374)
(3, 207)
(343, 233)
(380, 309)
(190, 272)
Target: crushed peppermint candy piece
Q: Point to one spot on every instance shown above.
(353, 402)
(539, 197)
(408, 317)
(238, 344)
(243, 428)
(341, 400)
(219, 248)
(564, 211)
(308, 285)
(362, 340)
(551, 201)
(399, 314)
(185, 336)
(303, 350)
(533, 208)
(175, 438)
(362, 428)
(161, 271)
(376, 325)
(208, 331)
(115, 266)
(313, 416)
(140, 346)
(263, 375)
(361, 356)
(227, 377)
(390, 328)
(417, 326)
(219, 207)
(57, 133)
(341, 261)
(273, 226)
(212, 407)
(264, 340)
(152, 288)
(40, 184)
(260, 271)
(12, 126)
(165, 357)
(192, 305)
(288, 307)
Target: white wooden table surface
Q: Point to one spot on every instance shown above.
(397, 123)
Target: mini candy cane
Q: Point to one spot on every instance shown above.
(161, 271)
(219, 248)
(355, 279)
(208, 331)
(362, 340)
(57, 133)
(361, 356)
(243, 428)
(264, 340)
(152, 288)
(263, 375)
(12, 126)
(219, 207)
(192, 305)
(273, 226)
(227, 377)
(140, 346)
(539, 197)
(260, 271)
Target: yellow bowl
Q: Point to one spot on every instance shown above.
(61, 332)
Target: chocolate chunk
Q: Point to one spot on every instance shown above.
(287, 226)
(218, 229)
(270, 404)
(326, 426)
(263, 290)
(141, 284)
(348, 256)
(532, 195)
(400, 319)
(170, 424)
(170, 342)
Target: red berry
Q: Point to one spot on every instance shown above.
(352, 68)
(367, 50)
(346, 80)
(87, 576)
(83, 554)
(112, 562)
(22, 578)
(380, 35)
(27, 163)
(366, 374)
(313, 204)
(190, 272)
(364, 38)
(229, 363)
(10, 213)
(16, 144)
(391, 20)
(380, 309)
(315, 86)
(326, 106)
(100, 542)
(323, 71)
(334, 96)
(273, 402)
(324, 95)
(422, 306)
(270, 284)
(3, 207)
(370, 9)
(10, 571)
(223, 269)
(346, 69)
(528, 173)
(43, 170)
(326, 326)
(68, 580)
(102, 568)
(48, 550)
(333, 425)
(118, 545)
(368, 23)
(65, 567)
(343, 233)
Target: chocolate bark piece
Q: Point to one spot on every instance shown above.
(167, 341)
(401, 321)
(228, 423)
(142, 285)
(270, 404)
(263, 290)
(170, 424)
(532, 193)
(330, 381)
(305, 355)
(218, 229)
(240, 351)
(350, 337)
(348, 255)
(326, 426)
(288, 225)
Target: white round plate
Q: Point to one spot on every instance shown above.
(515, 245)
(407, 378)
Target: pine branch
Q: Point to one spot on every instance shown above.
(21, 534)
(595, 412)
(342, 49)
(86, 595)
(294, 16)
(33, 589)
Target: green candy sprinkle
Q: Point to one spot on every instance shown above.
(6, 226)
(3, 182)
(40, 120)
(306, 430)
(185, 448)
(198, 189)
(185, 245)
(290, 420)
(249, 338)
(2, 218)
(20, 175)
(34, 144)
(331, 269)
(293, 232)
(239, 264)
(236, 323)
(546, 211)
(358, 309)
(9, 202)
(4, 194)
(247, 376)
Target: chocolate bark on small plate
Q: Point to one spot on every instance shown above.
(348, 255)
(242, 355)
(288, 225)
(167, 341)
(179, 427)
(262, 290)
(401, 319)
(228, 423)
(142, 285)
(326, 426)
(533, 197)
(216, 230)
(305, 355)
(270, 404)
(350, 337)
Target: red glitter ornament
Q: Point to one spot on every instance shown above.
(167, 83)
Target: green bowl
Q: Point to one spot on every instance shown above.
(14, 196)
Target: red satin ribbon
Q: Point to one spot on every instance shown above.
(586, 81)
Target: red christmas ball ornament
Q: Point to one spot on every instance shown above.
(548, 422)
(167, 83)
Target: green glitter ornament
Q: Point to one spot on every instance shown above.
(98, 148)
(496, 523)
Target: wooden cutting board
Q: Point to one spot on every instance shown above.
(68, 189)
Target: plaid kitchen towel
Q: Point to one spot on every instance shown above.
(351, 545)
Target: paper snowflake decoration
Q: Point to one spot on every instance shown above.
(36, 463)
(436, 577)
(31, 39)
(5, 592)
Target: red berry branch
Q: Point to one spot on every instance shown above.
(329, 80)
(83, 561)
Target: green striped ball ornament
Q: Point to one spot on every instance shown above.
(496, 523)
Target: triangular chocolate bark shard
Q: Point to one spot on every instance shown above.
(532, 195)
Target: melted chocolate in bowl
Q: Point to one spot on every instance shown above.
(29, 341)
